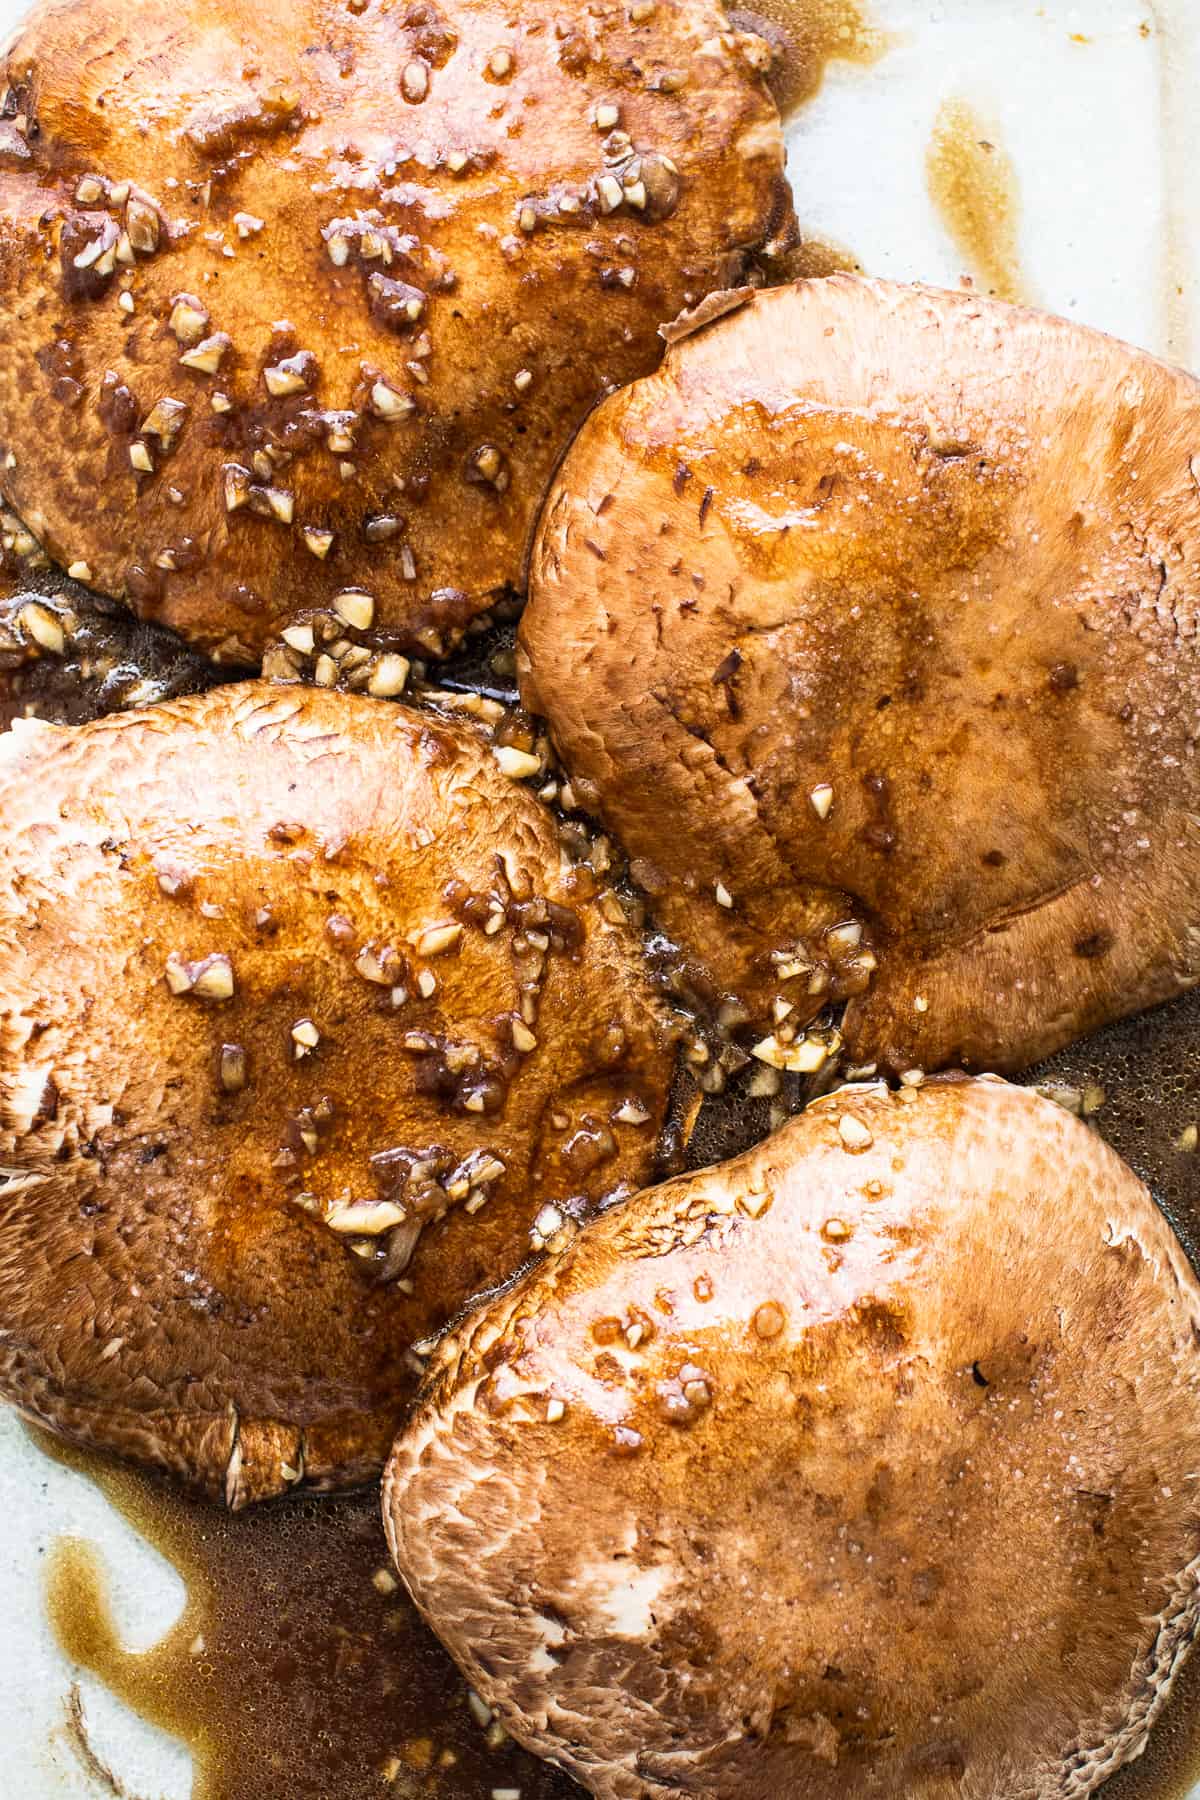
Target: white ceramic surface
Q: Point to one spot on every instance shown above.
(1104, 136)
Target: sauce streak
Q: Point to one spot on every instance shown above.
(808, 35)
(288, 1671)
(973, 185)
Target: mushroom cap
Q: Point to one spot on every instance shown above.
(880, 605)
(180, 1278)
(402, 250)
(857, 1465)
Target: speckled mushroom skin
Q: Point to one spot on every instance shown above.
(861, 1465)
(382, 259)
(878, 605)
(165, 1291)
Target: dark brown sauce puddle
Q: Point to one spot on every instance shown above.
(288, 1671)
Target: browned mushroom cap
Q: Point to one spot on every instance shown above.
(303, 1018)
(871, 622)
(69, 655)
(312, 298)
(864, 1464)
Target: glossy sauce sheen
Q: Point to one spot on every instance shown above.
(108, 660)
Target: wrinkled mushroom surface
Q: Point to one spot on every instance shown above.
(304, 1017)
(857, 1465)
(870, 624)
(295, 301)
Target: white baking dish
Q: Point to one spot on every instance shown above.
(1092, 117)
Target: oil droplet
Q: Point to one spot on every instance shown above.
(973, 185)
(768, 1319)
(807, 35)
